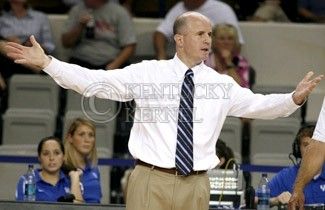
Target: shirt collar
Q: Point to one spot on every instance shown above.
(321, 175)
(28, 15)
(181, 68)
(39, 178)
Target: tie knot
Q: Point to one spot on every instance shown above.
(189, 73)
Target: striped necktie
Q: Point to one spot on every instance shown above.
(184, 145)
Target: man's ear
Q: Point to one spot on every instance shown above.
(178, 38)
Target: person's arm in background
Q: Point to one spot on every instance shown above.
(310, 16)
(311, 163)
(283, 198)
(159, 41)
(126, 52)
(280, 185)
(126, 37)
(75, 185)
(75, 25)
(164, 32)
(307, 14)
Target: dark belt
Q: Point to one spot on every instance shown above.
(167, 170)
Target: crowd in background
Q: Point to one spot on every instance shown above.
(114, 42)
(289, 10)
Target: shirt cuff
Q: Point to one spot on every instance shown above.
(290, 102)
(52, 69)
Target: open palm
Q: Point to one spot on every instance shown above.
(33, 57)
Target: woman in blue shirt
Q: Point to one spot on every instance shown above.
(281, 185)
(51, 182)
(81, 153)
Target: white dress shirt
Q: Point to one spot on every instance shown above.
(155, 87)
(319, 133)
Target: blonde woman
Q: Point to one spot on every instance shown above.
(81, 153)
(225, 57)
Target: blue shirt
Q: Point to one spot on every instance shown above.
(284, 181)
(92, 192)
(44, 190)
(34, 23)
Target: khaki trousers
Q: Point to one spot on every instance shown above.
(150, 189)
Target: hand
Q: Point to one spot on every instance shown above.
(33, 57)
(226, 55)
(305, 87)
(76, 173)
(297, 200)
(284, 197)
(84, 18)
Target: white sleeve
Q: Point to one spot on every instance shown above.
(245, 103)
(319, 133)
(100, 83)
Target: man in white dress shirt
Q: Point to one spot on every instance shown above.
(311, 163)
(155, 85)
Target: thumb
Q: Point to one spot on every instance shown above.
(33, 40)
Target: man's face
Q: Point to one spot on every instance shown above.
(304, 142)
(196, 39)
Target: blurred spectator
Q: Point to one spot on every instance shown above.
(101, 35)
(225, 155)
(270, 11)
(81, 153)
(281, 185)
(71, 3)
(312, 10)
(243, 9)
(51, 182)
(126, 3)
(225, 57)
(17, 22)
(216, 11)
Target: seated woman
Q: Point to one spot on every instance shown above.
(281, 185)
(225, 57)
(81, 153)
(51, 182)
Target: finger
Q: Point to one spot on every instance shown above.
(33, 40)
(14, 56)
(318, 79)
(308, 76)
(21, 61)
(12, 49)
(15, 45)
